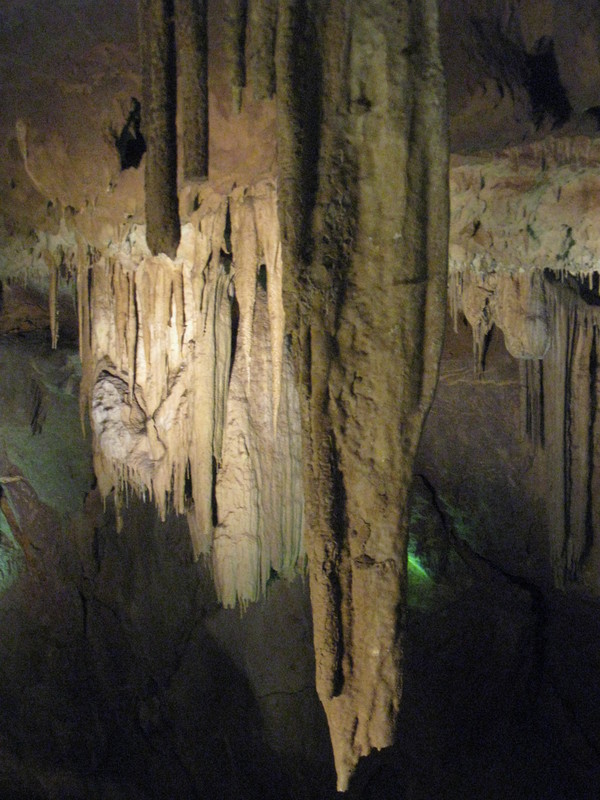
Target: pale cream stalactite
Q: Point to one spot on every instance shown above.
(267, 226)
(206, 395)
(156, 342)
(244, 245)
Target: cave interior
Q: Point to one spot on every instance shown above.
(299, 393)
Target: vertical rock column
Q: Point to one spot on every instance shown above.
(192, 57)
(159, 91)
(365, 254)
(234, 46)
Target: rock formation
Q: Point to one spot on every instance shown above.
(365, 307)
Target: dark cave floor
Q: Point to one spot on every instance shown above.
(121, 677)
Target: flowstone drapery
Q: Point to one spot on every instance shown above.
(561, 395)
(176, 414)
(550, 322)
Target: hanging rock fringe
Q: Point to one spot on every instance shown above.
(156, 339)
(561, 401)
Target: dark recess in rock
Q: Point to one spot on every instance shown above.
(130, 142)
(546, 92)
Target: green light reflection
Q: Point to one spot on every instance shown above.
(12, 560)
(416, 568)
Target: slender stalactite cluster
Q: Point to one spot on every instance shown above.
(181, 418)
(364, 213)
(551, 323)
(561, 401)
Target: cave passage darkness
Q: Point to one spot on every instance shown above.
(299, 330)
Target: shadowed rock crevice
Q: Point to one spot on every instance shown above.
(547, 94)
(130, 142)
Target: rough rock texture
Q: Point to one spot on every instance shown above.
(365, 307)
(528, 207)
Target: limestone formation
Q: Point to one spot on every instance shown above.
(360, 266)
(523, 257)
(260, 311)
(179, 417)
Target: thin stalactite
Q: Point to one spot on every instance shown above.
(260, 47)
(235, 12)
(192, 65)
(159, 89)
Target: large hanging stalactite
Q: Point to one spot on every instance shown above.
(365, 305)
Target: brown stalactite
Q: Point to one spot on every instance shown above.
(369, 301)
(563, 403)
(260, 47)
(234, 45)
(192, 66)
(157, 45)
